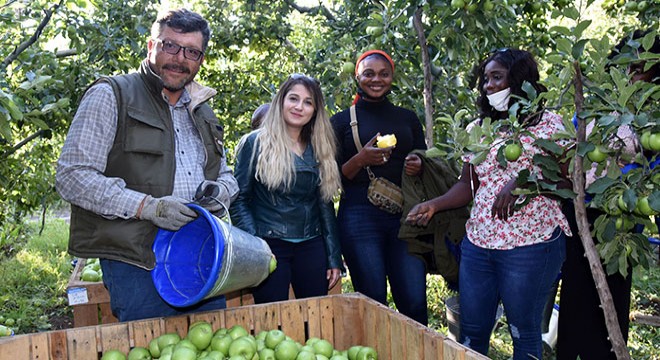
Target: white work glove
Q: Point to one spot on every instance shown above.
(211, 195)
(168, 212)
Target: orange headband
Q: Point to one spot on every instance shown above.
(371, 52)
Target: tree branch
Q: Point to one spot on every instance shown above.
(428, 76)
(20, 48)
(312, 10)
(611, 320)
(22, 143)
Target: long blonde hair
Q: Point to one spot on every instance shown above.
(275, 161)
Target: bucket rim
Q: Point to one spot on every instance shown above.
(166, 235)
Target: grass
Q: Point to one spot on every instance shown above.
(35, 269)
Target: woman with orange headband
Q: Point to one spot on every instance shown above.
(369, 235)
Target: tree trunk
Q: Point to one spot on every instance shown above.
(611, 320)
(428, 77)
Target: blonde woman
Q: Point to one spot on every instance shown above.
(288, 175)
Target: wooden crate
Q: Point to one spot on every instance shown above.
(344, 320)
(96, 310)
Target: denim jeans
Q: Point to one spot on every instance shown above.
(521, 278)
(374, 254)
(303, 265)
(133, 295)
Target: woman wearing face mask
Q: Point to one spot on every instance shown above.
(509, 254)
(369, 235)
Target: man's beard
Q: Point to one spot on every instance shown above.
(178, 85)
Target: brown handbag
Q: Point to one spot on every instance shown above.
(382, 193)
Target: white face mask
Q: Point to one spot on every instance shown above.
(500, 100)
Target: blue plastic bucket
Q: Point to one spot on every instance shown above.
(205, 258)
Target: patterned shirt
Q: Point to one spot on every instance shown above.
(532, 224)
(80, 178)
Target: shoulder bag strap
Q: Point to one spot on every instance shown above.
(356, 138)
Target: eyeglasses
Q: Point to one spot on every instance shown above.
(173, 49)
(296, 76)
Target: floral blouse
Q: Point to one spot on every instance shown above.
(532, 224)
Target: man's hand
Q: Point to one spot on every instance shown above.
(211, 195)
(168, 212)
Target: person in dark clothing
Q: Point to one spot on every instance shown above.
(582, 331)
(369, 235)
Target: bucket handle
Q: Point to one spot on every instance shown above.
(199, 202)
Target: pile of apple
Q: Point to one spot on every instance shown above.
(235, 343)
(5, 326)
(92, 271)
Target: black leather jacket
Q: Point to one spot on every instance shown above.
(296, 213)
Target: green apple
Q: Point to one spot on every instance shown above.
(237, 331)
(654, 141)
(323, 347)
(273, 338)
(167, 350)
(272, 265)
(643, 206)
(457, 4)
(267, 354)
(184, 353)
(242, 346)
(154, 349)
(311, 341)
(113, 355)
(221, 343)
(338, 357)
(10, 322)
(353, 351)
(262, 335)
(220, 332)
(215, 355)
(187, 344)
(512, 152)
(348, 67)
(139, 353)
(90, 275)
(286, 350)
(201, 335)
(5, 331)
(597, 155)
(306, 355)
(366, 353)
(168, 339)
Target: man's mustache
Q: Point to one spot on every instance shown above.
(175, 67)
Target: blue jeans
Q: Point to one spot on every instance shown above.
(374, 254)
(521, 278)
(303, 265)
(133, 295)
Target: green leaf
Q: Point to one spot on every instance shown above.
(578, 48)
(564, 45)
(571, 12)
(579, 28)
(549, 146)
(600, 185)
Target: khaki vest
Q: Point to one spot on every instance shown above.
(143, 155)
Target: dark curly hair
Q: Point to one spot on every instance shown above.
(521, 67)
(629, 47)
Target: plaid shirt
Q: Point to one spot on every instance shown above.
(80, 179)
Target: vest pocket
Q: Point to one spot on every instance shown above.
(145, 133)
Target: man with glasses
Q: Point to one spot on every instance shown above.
(140, 147)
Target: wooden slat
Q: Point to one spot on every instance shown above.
(432, 344)
(85, 315)
(143, 331)
(81, 343)
(414, 348)
(241, 316)
(452, 350)
(326, 318)
(313, 318)
(215, 318)
(58, 343)
(39, 346)
(114, 336)
(15, 347)
(473, 355)
(292, 320)
(398, 339)
(176, 324)
(106, 313)
(266, 317)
